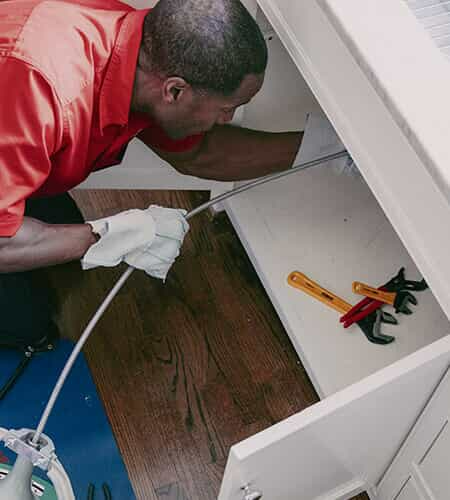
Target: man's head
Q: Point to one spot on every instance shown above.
(199, 60)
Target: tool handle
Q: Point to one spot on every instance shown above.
(15, 376)
(302, 282)
(373, 293)
(358, 316)
(361, 309)
(355, 309)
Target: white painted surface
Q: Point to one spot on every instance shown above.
(141, 168)
(284, 100)
(351, 435)
(435, 465)
(407, 71)
(320, 45)
(409, 492)
(141, 4)
(424, 456)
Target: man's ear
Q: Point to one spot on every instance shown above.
(174, 89)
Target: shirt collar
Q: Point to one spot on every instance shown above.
(117, 87)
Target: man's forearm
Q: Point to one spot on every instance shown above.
(37, 244)
(232, 153)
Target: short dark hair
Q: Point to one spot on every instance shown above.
(212, 44)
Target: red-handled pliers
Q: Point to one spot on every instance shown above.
(362, 309)
(366, 306)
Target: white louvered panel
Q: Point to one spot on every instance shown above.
(434, 15)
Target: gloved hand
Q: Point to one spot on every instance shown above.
(147, 239)
(157, 257)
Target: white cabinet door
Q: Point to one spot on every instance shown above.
(343, 444)
(422, 465)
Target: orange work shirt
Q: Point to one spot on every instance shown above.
(66, 79)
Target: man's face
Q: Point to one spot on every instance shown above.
(192, 112)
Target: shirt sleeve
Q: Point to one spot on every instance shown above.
(28, 136)
(155, 137)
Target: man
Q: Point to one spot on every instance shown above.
(78, 80)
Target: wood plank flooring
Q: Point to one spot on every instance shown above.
(187, 368)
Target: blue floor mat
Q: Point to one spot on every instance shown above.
(78, 425)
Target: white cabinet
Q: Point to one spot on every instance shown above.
(383, 84)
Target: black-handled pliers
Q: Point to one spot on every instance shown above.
(105, 488)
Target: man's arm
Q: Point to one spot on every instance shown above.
(230, 153)
(37, 244)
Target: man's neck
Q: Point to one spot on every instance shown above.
(146, 91)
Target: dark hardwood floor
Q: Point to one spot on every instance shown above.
(186, 368)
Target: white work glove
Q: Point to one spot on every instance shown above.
(157, 258)
(147, 239)
(320, 139)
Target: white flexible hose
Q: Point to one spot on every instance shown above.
(76, 350)
(60, 481)
(88, 330)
